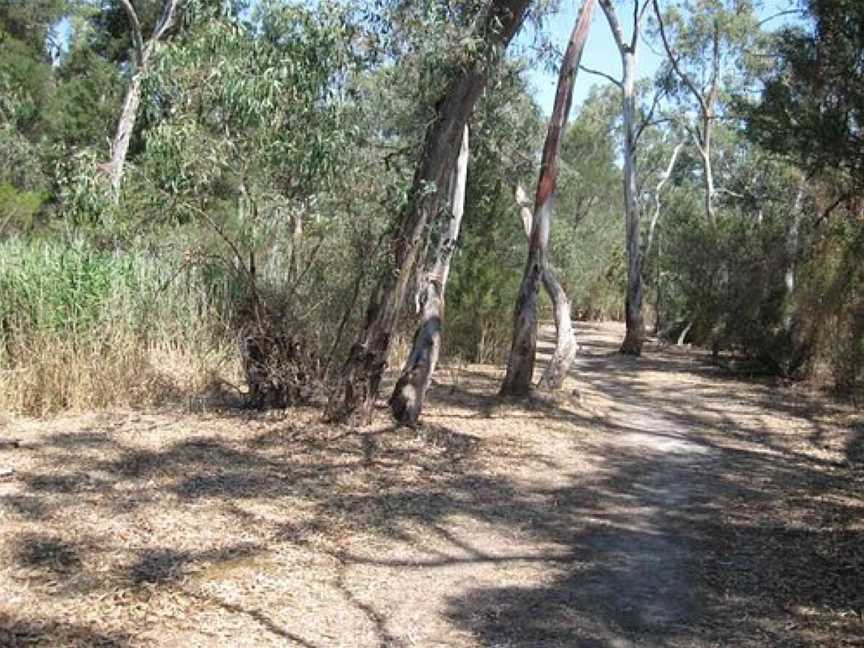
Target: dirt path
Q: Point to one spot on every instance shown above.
(661, 503)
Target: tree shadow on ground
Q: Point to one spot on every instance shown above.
(736, 539)
(20, 633)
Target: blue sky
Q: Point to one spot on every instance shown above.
(601, 52)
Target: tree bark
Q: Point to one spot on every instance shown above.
(129, 114)
(120, 146)
(368, 357)
(792, 236)
(565, 341)
(635, 335)
(523, 350)
(406, 402)
(652, 231)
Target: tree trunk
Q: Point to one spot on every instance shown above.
(707, 170)
(125, 127)
(652, 230)
(565, 341)
(635, 336)
(792, 235)
(523, 350)
(368, 357)
(406, 402)
(684, 333)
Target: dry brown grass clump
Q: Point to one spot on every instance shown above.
(62, 373)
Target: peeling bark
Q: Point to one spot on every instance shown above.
(523, 350)
(368, 357)
(406, 402)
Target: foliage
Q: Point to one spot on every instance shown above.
(812, 104)
(275, 150)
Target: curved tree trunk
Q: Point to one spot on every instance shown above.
(406, 403)
(523, 350)
(565, 341)
(368, 357)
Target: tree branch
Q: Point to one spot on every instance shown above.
(674, 61)
(614, 24)
(608, 77)
(135, 26)
(663, 179)
(777, 15)
(166, 21)
(647, 119)
(638, 14)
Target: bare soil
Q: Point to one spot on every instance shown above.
(659, 502)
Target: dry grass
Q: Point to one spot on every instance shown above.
(79, 375)
(522, 524)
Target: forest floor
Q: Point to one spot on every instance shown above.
(661, 502)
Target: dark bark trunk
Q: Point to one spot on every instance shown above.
(406, 403)
(368, 357)
(523, 350)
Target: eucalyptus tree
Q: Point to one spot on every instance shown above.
(810, 112)
(251, 110)
(33, 23)
(523, 350)
(496, 25)
(143, 48)
(712, 47)
(406, 401)
(627, 49)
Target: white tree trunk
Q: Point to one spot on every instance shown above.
(125, 127)
(792, 235)
(655, 218)
(635, 336)
(565, 340)
(129, 114)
